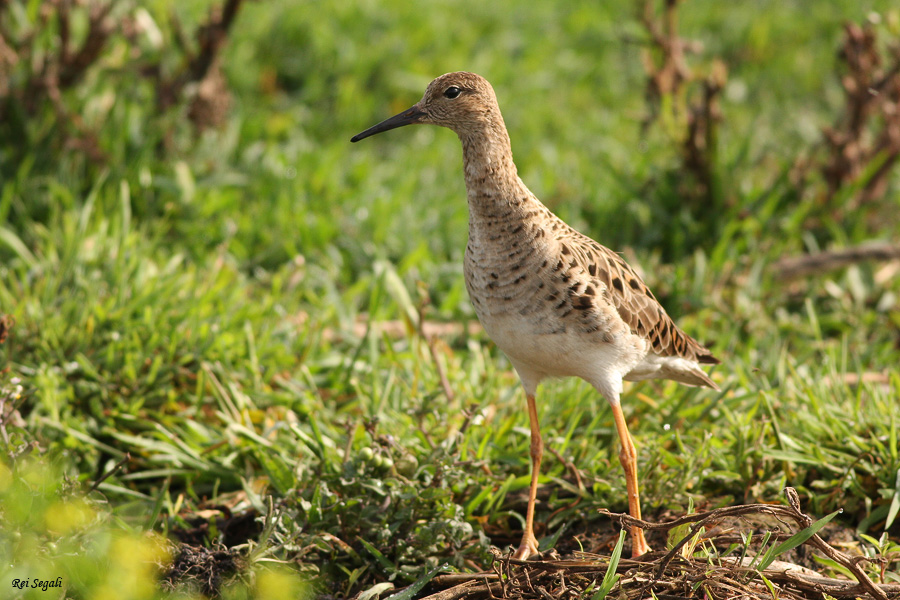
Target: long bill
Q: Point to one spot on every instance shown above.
(409, 116)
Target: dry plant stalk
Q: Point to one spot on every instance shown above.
(51, 73)
(690, 122)
(210, 99)
(6, 324)
(48, 74)
(665, 76)
(865, 140)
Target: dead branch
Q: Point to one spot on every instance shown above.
(396, 329)
(791, 512)
(853, 565)
(793, 267)
(732, 577)
(854, 379)
(670, 574)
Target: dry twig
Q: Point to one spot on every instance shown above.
(669, 574)
(793, 267)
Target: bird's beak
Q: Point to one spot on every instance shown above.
(409, 116)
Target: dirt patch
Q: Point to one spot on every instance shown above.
(201, 569)
(205, 557)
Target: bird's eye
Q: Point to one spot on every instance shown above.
(452, 92)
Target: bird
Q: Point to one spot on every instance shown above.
(556, 302)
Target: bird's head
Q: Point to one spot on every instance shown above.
(459, 101)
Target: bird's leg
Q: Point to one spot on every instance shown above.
(529, 545)
(628, 458)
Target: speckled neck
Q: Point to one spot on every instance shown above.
(494, 189)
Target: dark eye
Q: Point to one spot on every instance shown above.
(452, 92)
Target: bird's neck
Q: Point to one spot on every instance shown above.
(492, 183)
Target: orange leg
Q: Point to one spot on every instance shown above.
(628, 458)
(529, 545)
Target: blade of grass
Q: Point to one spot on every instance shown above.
(611, 577)
(794, 541)
(895, 504)
(416, 587)
(381, 558)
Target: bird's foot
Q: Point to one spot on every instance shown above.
(527, 548)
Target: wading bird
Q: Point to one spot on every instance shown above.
(555, 301)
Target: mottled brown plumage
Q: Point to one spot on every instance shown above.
(555, 301)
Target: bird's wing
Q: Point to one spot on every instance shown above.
(633, 300)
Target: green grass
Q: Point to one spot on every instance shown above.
(195, 309)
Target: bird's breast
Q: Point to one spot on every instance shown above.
(535, 307)
(503, 280)
(509, 291)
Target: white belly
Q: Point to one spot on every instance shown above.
(537, 352)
